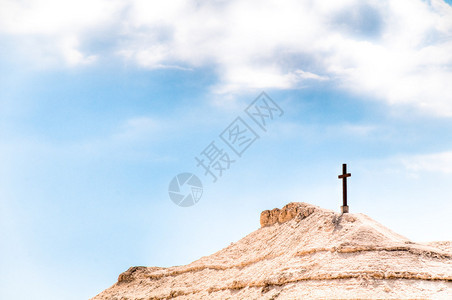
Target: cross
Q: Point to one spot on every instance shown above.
(344, 207)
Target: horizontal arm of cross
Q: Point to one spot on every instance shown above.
(344, 176)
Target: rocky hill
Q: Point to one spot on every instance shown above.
(303, 252)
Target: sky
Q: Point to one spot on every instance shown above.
(103, 103)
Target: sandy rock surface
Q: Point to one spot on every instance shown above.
(287, 213)
(303, 252)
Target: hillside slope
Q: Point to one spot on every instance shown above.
(302, 251)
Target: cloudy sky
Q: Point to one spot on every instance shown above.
(103, 102)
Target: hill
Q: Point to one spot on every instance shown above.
(303, 251)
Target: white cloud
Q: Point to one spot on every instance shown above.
(436, 162)
(308, 75)
(138, 128)
(130, 139)
(54, 17)
(71, 54)
(395, 51)
(50, 31)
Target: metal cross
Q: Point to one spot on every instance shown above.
(344, 176)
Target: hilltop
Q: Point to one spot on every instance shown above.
(302, 251)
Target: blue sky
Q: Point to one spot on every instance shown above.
(102, 103)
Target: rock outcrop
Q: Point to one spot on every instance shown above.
(287, 213)
(303, 251)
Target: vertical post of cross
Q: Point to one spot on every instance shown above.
(344, 207)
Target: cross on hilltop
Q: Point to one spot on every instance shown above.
(344, 207)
